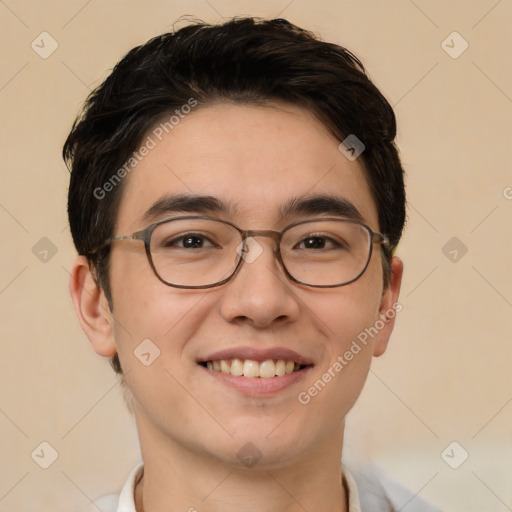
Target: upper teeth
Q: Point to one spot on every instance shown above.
(250, 368)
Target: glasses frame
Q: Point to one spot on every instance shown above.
(144, 235)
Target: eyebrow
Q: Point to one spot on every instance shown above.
(208, 205)
(321, 205)
(182, 203)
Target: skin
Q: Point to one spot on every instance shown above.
(190, 426)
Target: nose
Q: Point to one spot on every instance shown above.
(260, 293)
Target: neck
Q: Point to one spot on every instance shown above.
(178, 478)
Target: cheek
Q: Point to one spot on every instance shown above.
(145, 308)
(347, 320)
(345, 317)
(343, 313)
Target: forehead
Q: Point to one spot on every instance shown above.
(255, 160)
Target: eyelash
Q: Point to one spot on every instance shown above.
(179, 239)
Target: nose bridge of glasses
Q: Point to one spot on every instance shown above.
(268, 233)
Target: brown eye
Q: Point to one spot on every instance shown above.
(319, 242)
(188, 241)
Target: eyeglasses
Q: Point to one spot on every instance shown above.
(203, 252)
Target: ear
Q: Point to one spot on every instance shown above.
(92, 308)
(389, 306)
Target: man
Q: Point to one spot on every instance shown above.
(236, 198)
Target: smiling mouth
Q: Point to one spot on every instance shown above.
(254, 369)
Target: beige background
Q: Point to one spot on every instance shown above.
(446, 376)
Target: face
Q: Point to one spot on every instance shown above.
(253, 160)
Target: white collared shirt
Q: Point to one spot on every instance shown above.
(373, 491)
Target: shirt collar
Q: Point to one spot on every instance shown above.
(352, 491)
(127, 501)
(126, 498)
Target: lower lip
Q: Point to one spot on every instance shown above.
(256, 386)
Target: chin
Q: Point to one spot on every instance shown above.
(266, 443)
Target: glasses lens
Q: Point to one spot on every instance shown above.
(203, 252)
(326, 253)
(194, 252)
